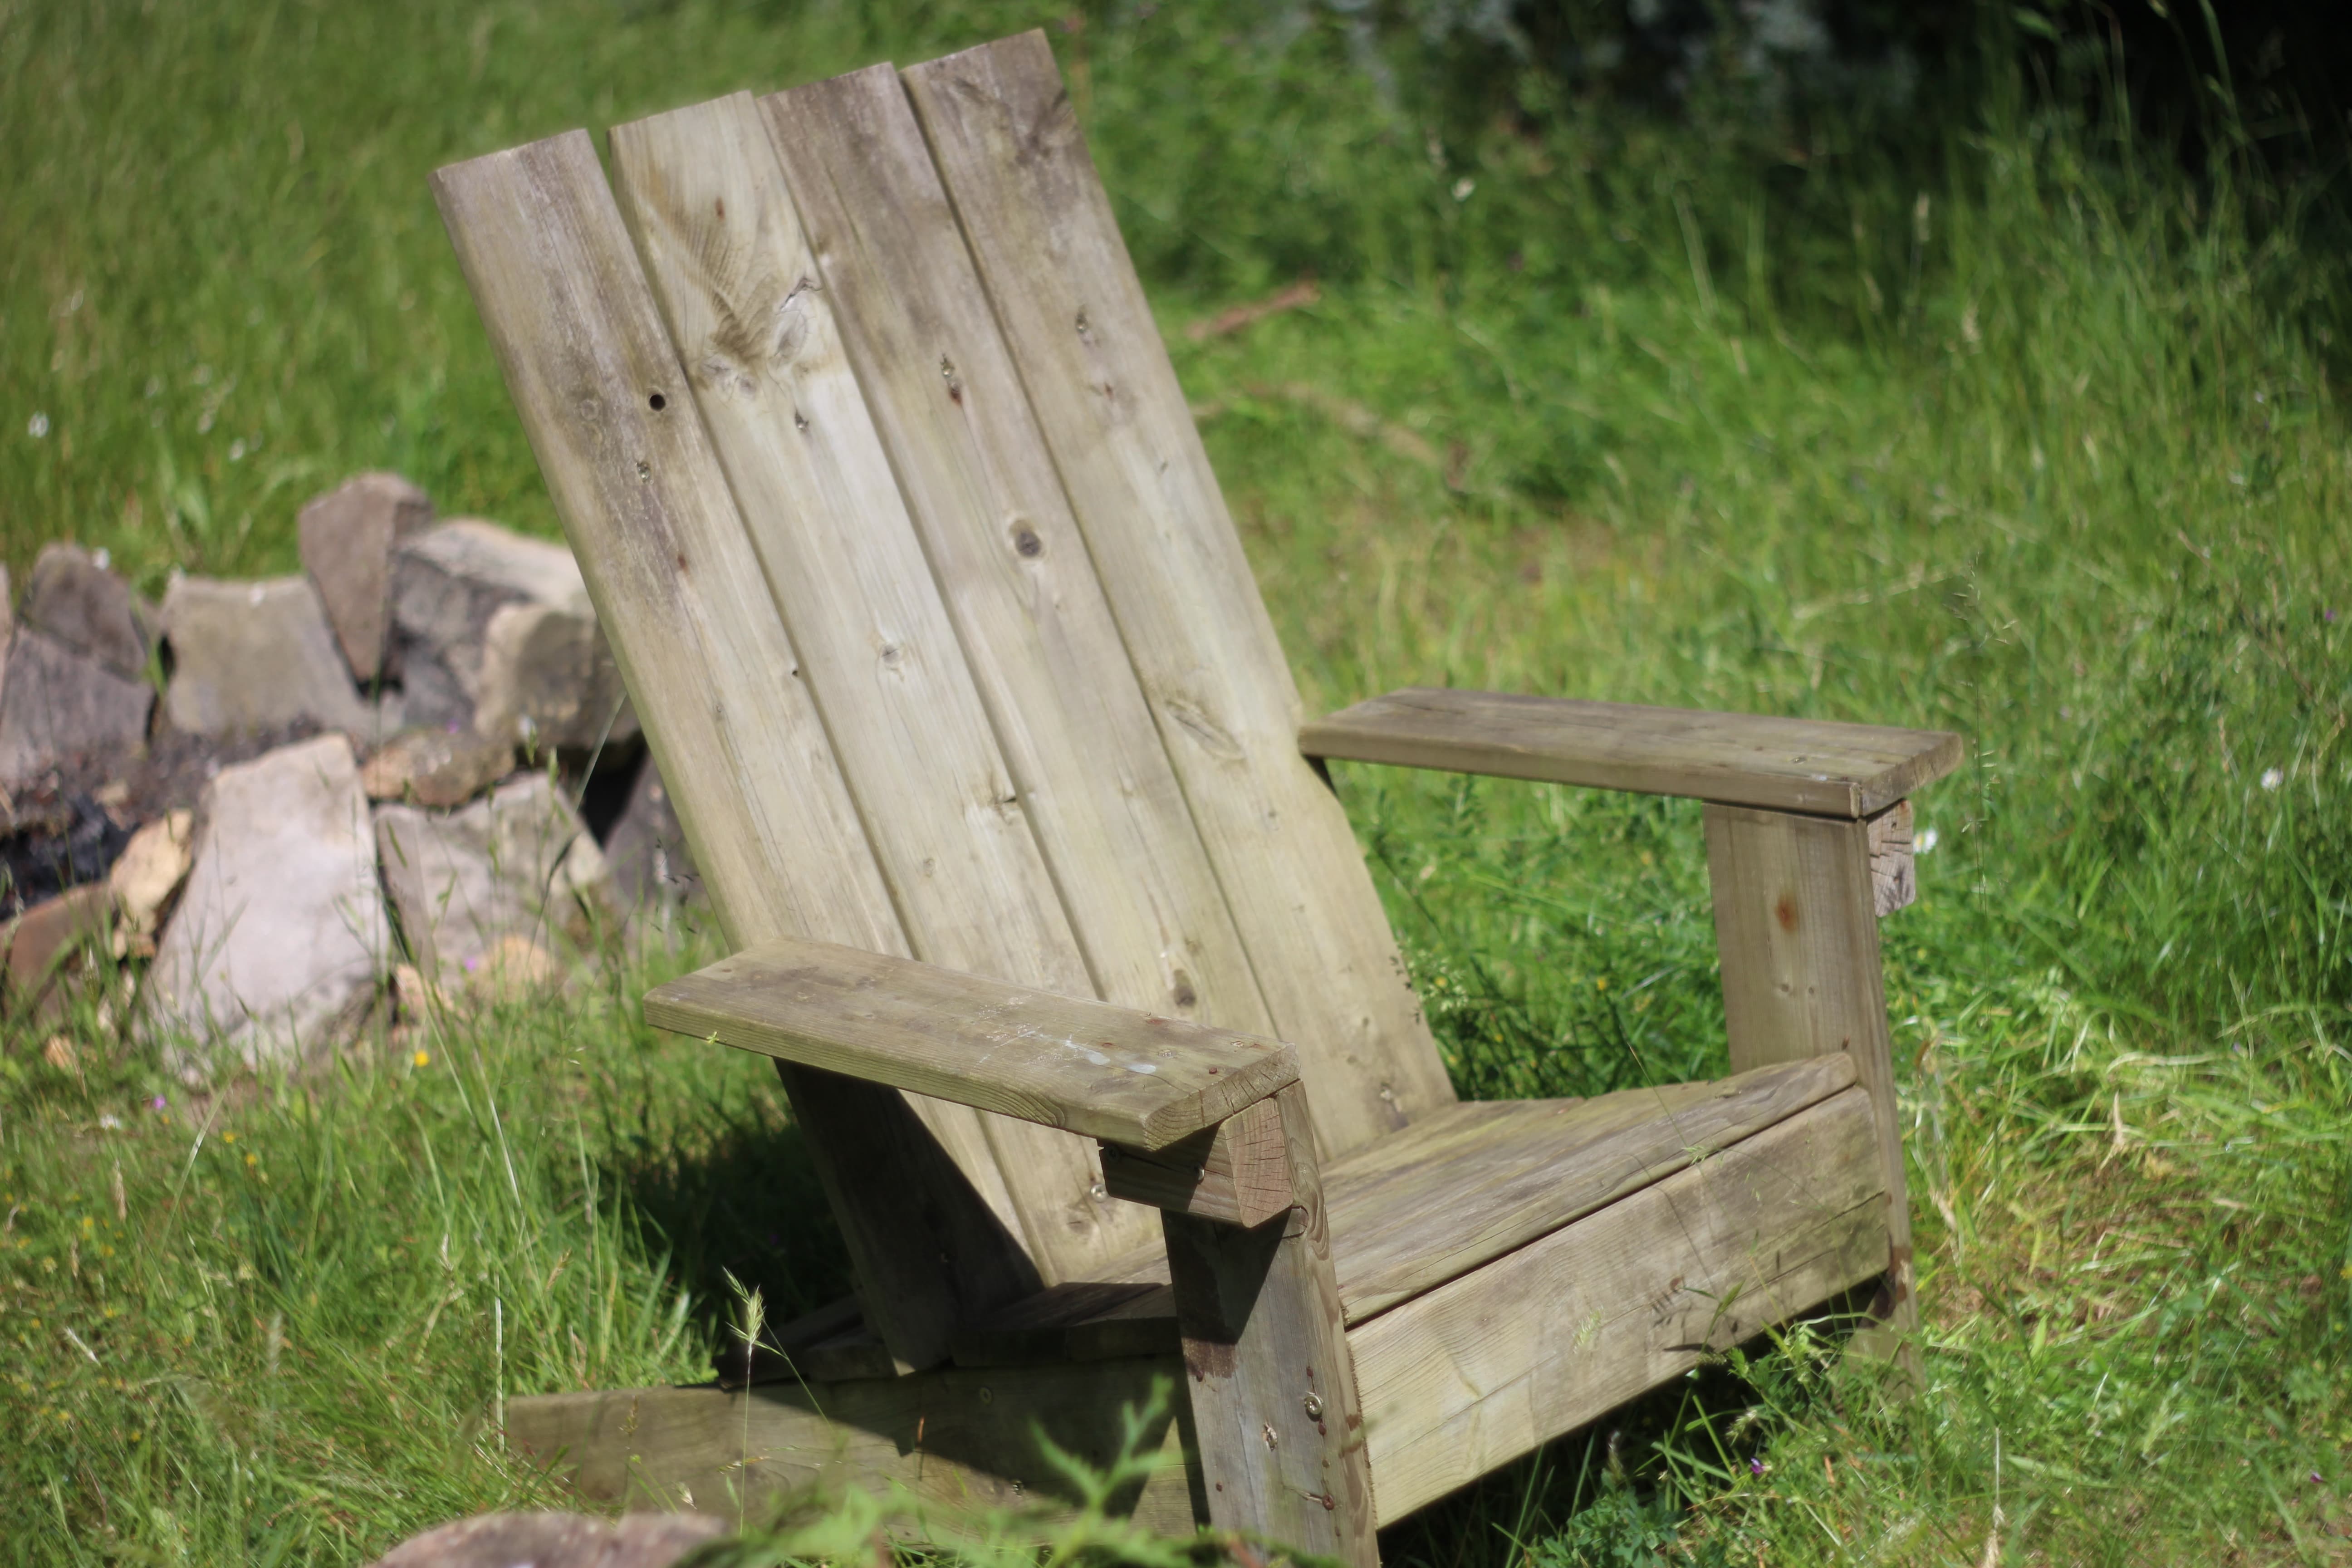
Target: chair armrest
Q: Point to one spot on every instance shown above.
(1807, 765)
(1087, 1066)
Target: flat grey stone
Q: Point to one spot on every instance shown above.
(279, 936)
(255, 656)
(548, 681)
(58, 706)
(435, 767)
(446, 584)
(515, 866)
(557, 1541)
(75, 599)
(347, 539)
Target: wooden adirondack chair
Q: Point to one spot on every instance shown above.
(886, 494)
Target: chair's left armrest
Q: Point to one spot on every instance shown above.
(1809, 765)
(1113, 1073)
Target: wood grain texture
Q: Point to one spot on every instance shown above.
(1786, 764)
(1090, 356)
(706, 203)
(1434, 1206)
(1893, 881)
(1087, 1066)
(1085, 756)
(958, 1441)
(1797, 931)
(1235, 1173)
(1453, 1385)
(1480, 1371)
(1450, 1195)
(713, 672)
(1273, 1389)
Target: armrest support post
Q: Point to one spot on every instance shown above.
(1796, 928)
(1235, 1173)
(1266, 1363)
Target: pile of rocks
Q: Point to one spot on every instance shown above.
(408, 775)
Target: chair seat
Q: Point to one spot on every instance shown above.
(1462, 1187)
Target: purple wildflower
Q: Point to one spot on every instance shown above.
(1755, 1467)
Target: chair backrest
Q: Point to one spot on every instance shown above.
(932, 612)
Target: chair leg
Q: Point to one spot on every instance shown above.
(1267, 1364)
(1796, 926)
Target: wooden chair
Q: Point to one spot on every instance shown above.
(886, 494)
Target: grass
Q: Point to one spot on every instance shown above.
(1991, 419)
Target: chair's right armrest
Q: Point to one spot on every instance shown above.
(1815, 766)
(1125, 1076)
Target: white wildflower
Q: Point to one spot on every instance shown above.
(1463, 187)
(37, 426)
(1925, 842)
(237, 451)
(2272, 778)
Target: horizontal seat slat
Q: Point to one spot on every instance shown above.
(1447, 1196)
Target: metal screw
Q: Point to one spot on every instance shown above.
(1314, 1403)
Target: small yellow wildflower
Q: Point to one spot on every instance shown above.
(253, 1159)
(228, 1137)
(1602, 984)
(425, 1059)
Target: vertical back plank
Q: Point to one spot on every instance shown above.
(732, 273)
(979, 484)
(1081, 334)
(1796, 930)
(716, 683)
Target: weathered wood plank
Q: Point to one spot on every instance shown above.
(1235, 1172)
(1451, 1194)
(1893, 881)
(1401, 1230)
(704, 652)
(1089, 355)
(959, 1441)
(1481, 1369)
(1084, 756)
(1453, 1384)
(1797, 931)
(731, 269)
(1786, 764)
(1273, 1388)
(1058, 1062)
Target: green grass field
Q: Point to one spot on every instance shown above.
(1978, 417)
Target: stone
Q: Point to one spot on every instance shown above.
(255, 656)
(652, 867)
(146, 874)
(517, 863)
(59, 707)
(51, 931)
(447, 583)
(436, 768)
(75, 599)
(557, 1541)
(347, 537)
(548, 681)
(279, 937)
